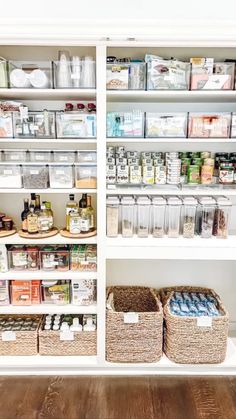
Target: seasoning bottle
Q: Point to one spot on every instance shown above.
(32, 200)
(37, 207)
(50, 214)
(43, 220)
(24, 215)
(90, 212)
(84, 214)
(32, 221)
(74, 222)
(71, 207)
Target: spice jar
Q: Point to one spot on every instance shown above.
(143, 209)
(1, 222)
(33, 258)
(226, 173)
(7, 223)
(174, 211)
(188, 216)
(127, 209)
(207, 217)
(221, 220)
(158, 216)
(112, 216)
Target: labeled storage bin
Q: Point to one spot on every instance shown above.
(195, 340)
(6, 125)
(77, 73)
(125, 124)
(86, 175)
(233, 125)
(10, 176)
(19, 335)
(166, 125)
(14, 155)
(35, 176)
(55, 292)
(134, 322)
(23, 258)
(167, 74)
(83, 257)
(52, 259)
(30, 75)
(210, 125)
(64, 156)
(61, 175)
(76, 125)
(86, 156)
(35, 125)
(207, 75)
(40, 156)
(124, 76)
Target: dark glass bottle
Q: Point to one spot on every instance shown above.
(24, 215)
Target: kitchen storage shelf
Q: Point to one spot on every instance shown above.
(47, 190)
(174, 190)
(53, 94)
(40, 274)
(58, 239)
(48, 309)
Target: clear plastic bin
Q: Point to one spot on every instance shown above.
(35, 176)
(212, 76)
(124, 76)
(22, 258)
(3, 73)
(40, 156)
(86, 156)
(167, 75)
(51, 259)
(127, 211)
(113, 203)
(77, 73)
(233, 125)
(30, 75)
(189, 217)
(166, 125)
(10, 176)
(222, 217)
(210, 125)
(174, 212)
(14, 155)
(64, 156)
(207, 217)
(143, 213)
(125, 124)
(86, 175)
(76, 125)
(36, 125)
(158, 216)
(6, 125)
(61, 176)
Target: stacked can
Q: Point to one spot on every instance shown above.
(173, 165)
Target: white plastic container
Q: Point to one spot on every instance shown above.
(61, 176)
(10, 176)
(86, 175)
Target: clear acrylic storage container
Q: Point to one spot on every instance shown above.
(127, 216)
(77, 73)
(233, 125)
(158, 216)
(86, 156)
(23, 258)
(40, 156)
(125, 124)
(86, 175)
(14, 155)
(124, 76)
(6, 125)
(30, 75)
(3, 73)
(212, 76)
(76, 125)
(64, 156)
(189, 217)
(52, 259)
(113, 203)
(167, 75)
(61, 175)
(209, 125)
(143, 216)
(10, 176)
(36, 125)
(174, 212)
(222, 217)
(166, 125)
(35, 176)
(207, 213)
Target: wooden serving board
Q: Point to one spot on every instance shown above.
(5, 233)
(25, 235)
(66, 233)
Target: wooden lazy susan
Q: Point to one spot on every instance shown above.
(5, 233)
(66, 233)
(26, 235)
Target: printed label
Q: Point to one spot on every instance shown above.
(131, 317)
(204, 321)
(67, 335)
(8, 336)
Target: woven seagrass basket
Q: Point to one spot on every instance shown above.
(25, 343)
(188, 342)
(134, 342)
(84, 343)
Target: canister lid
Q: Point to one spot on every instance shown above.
(189, 200)
(174, 200)
(113, 200)
(158, 200)
(143, 200)
(223, 201)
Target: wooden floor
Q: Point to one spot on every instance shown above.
(117, 398)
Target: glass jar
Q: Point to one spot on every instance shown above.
(207, 217)
(189, 216)
(112, 216)
(127, 209)
(174, 211)
(158, 216)
(222, 216)
(143, 212)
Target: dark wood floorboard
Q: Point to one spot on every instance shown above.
(118, 397)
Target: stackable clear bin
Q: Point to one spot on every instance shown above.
(40, 156)
(35, 176)
(14, 155)
(36, 125)
(10, 176)
(86, 156)
(3, 73)
(112, 216)
(61, 175)
(233, 125)
(77, 73)
(209, 125)
(222, 216)
(207, 217)
(168, 75)
(221, 77)
(125, 124)
(143, 216)
(189, 217)
(127, 211)
(30, 74)
(63, 156)
(158, 216)
(23, 259)
(75, 125)
(85, 175)
(6, 125)
(174, 211)
(124, 76)
(166, 125)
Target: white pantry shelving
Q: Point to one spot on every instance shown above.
(49, 309)
(48, 94)
(48, 191)
(40, 274)
(57, 239)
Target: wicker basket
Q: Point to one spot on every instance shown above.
(26, 342)
(84, 343)
(185, 341)
(134, 342)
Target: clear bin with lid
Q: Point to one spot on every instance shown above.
(86, 156)
(127, 216)
(207, 217)
(76, 125)
(40, 155)
(143, 216)
(36, 125)
(222, 217)
(174, 212)
(30, 74)
(10, 176)
(158, 216)
(61, 175)
(64, 156)
(35, 176)
(113, 203)
(86, 175)
(14, 155)
(189, 216)
(167, 74)
(6, 125)
(124, 76)
(211, 76)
